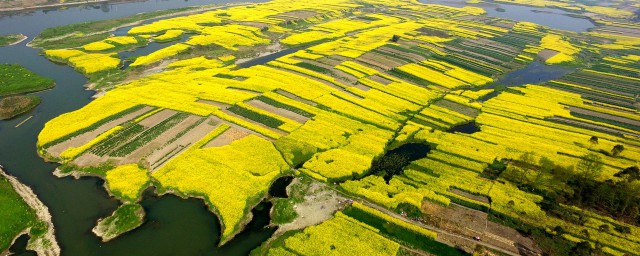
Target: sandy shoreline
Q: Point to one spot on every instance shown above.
(46, 244)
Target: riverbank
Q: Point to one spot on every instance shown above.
(65, 4)
(45, 244)
(10, 40)
(41, 43)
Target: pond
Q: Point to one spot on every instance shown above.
(279, 187)
(553, 18)
(173, 226)
(534, 73)
(264, 59)
(468, 128)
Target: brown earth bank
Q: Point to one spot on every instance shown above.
(16, 105)
(45, 245)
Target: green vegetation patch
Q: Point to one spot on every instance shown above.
(126, 218)
(10, 39)
(93, 26)
(16, 105)
(15, 214)
(283, 211)
(277, 104)
(266, 120)
(149, 135)
(15, 79)
(405, 233)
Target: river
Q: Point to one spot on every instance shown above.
(553, 18)
(173, 226)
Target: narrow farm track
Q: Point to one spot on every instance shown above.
(438, 230)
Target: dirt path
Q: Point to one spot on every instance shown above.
(432, 228)
(46, 245)
(22, 38)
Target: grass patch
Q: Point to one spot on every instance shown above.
(266, 120)
(16, 79)
(15, 214)
(283, 211)
(9, 39)
(312, 67)
(277, 104)
(101, 25)
(126, 218)
(74, 41)
(16, 105)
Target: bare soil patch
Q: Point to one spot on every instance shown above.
(546, 54)
(605, 116)
(295, 97)
(259, 25)
(470, 223)
(160, 141)
(295, 15)
(379, 79)
(84, 138)
(165, 153)
(230, 135)
(411, 56)
(478, 198)
(278, 111)
(462, 109)
(319, 205)
(215, 103)
(613, 131)
(156, 118)
(381, 61)
(362, 87)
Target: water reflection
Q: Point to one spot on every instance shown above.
(550, 17)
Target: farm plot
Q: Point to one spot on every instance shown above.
(361, 83)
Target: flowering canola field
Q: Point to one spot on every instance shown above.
(360, 83)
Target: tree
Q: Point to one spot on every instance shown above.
(590, 166)
(562, 174)
(395, 38)
(603, 228)
(617, 149)
(630, 173)
(582, 249)
(546, 167)
(528, 163)
(594, 140)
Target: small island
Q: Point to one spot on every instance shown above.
(16, 79)
(6, 40)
